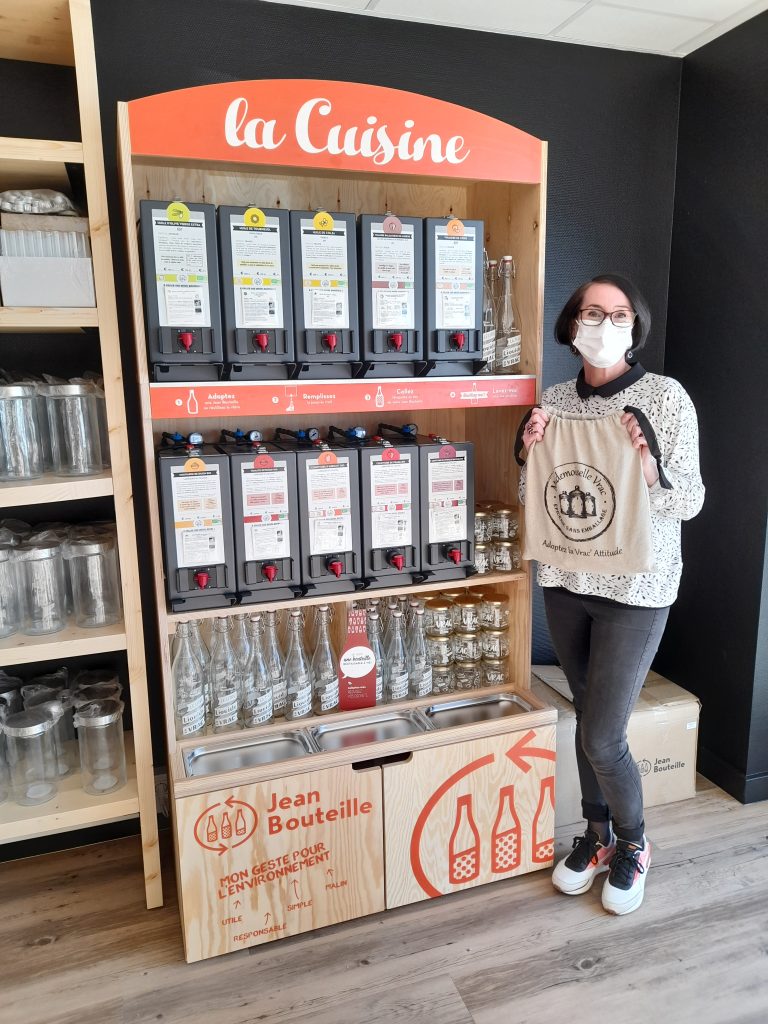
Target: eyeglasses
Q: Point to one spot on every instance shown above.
(619, 318)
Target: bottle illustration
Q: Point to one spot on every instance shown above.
(544, 823)
(506, 838)
(240, 823)
(192, 406)
(379, 398)
(464, 845)
(211, 832)
(290, 407)
(226, 826)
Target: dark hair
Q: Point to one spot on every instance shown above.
(570, 311)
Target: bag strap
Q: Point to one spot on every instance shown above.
(653, 443)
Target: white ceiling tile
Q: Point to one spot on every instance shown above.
(710, 10)
(488, 15)
(630, 29)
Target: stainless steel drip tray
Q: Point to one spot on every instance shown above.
(355, 732)
(247, 752)
(470, 710)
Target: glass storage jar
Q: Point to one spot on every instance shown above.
(466, 646)
(95, 578)
(31, 757)
(437, 617)
(505, 555)
(99, 726)
(495, 643)
(21, 433)
(495, 611)
(495, 672)
(468, 675)
(440, 650)
(504, 523)
(482, 526)
(9, 592)
(482, 559)
(442, 679)
(41, 588)
(466, 613)
(73, 419)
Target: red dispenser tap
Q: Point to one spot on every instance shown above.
(397, 560)
(335, 565)
(269, 571)
(330, 340)
(458, 339)
(395, 340)
(186, 339)
(202, 579)
(261, 340)
(454, 554)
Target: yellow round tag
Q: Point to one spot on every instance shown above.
(194, 466)
(323, 221)
(177, 211)
(254, 217)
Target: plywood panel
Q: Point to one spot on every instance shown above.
(467, 814)
(261, 862)
(36, 30)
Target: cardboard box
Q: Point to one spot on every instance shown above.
(46, 281)
(663, 732)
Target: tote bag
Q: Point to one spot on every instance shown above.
(587, 507)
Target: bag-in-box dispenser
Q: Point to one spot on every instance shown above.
(196, 513)
(256, 285)
(454, 295)
(324, 259)
(265, 504)
(181, 290)
(391, 293)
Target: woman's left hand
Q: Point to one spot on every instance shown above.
(636, 436)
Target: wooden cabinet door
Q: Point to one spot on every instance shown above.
(263, 861)
(463, 815)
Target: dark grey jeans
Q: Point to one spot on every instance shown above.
(605, 649)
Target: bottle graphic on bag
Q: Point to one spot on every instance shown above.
(464, 845)
(192, 406)
(544, 823)
(506, 838)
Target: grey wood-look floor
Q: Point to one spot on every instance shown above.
(78, 947)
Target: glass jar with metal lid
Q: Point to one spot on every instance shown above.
(468, 675)
(482, 526)
(466, 646)
(21, 433)
(438, 619)
(505, 555)
(74, 417)
(466, 613)
(443, 679)
(495, 672)
(42, 588)
(95, 580)
(504, 523)
(102, 747)
(440, 650)
(9, 592)
(494, 613)
(482, 559)
(31, 756)
(495, 643)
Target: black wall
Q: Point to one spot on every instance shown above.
(610, 118)
(717, 639)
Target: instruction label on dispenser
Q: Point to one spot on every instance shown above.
(391, 501)
(329, 506)
(447, 496)
(198, 518)
(257, 273)
(325, 274)
(266, 515)
(393, 278)
(455, 279)
(181, 270)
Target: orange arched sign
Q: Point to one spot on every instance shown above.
(343, 125)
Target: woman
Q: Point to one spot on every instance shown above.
(606, 629)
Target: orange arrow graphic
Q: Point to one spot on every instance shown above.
(521, 750)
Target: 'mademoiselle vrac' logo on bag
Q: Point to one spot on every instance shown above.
(580, 501)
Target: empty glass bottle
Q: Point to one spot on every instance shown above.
(508, 340)
(419, 664)
(396, 674)
(377, 646)
(226, 678)
(200, 648)
(387, 621)
(297, 671)
(188, 686)
(325, 667)
(240, 637)
(273, 655)
(489, 316)
(257, 684)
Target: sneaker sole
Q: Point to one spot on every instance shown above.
(585, 887)
(629, 907)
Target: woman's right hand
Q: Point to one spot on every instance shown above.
(534, 430)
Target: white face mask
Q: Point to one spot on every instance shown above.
(603, 345)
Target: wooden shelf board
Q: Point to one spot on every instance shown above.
(47, 318)
(67, 643)
(51, 488)
(486, 580)
(315, 397)
(37, 30)
(40, 150)
(72, 808)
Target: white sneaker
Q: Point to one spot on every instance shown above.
(625, 885)
(589, 857)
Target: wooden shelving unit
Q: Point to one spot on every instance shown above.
(57, 31)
